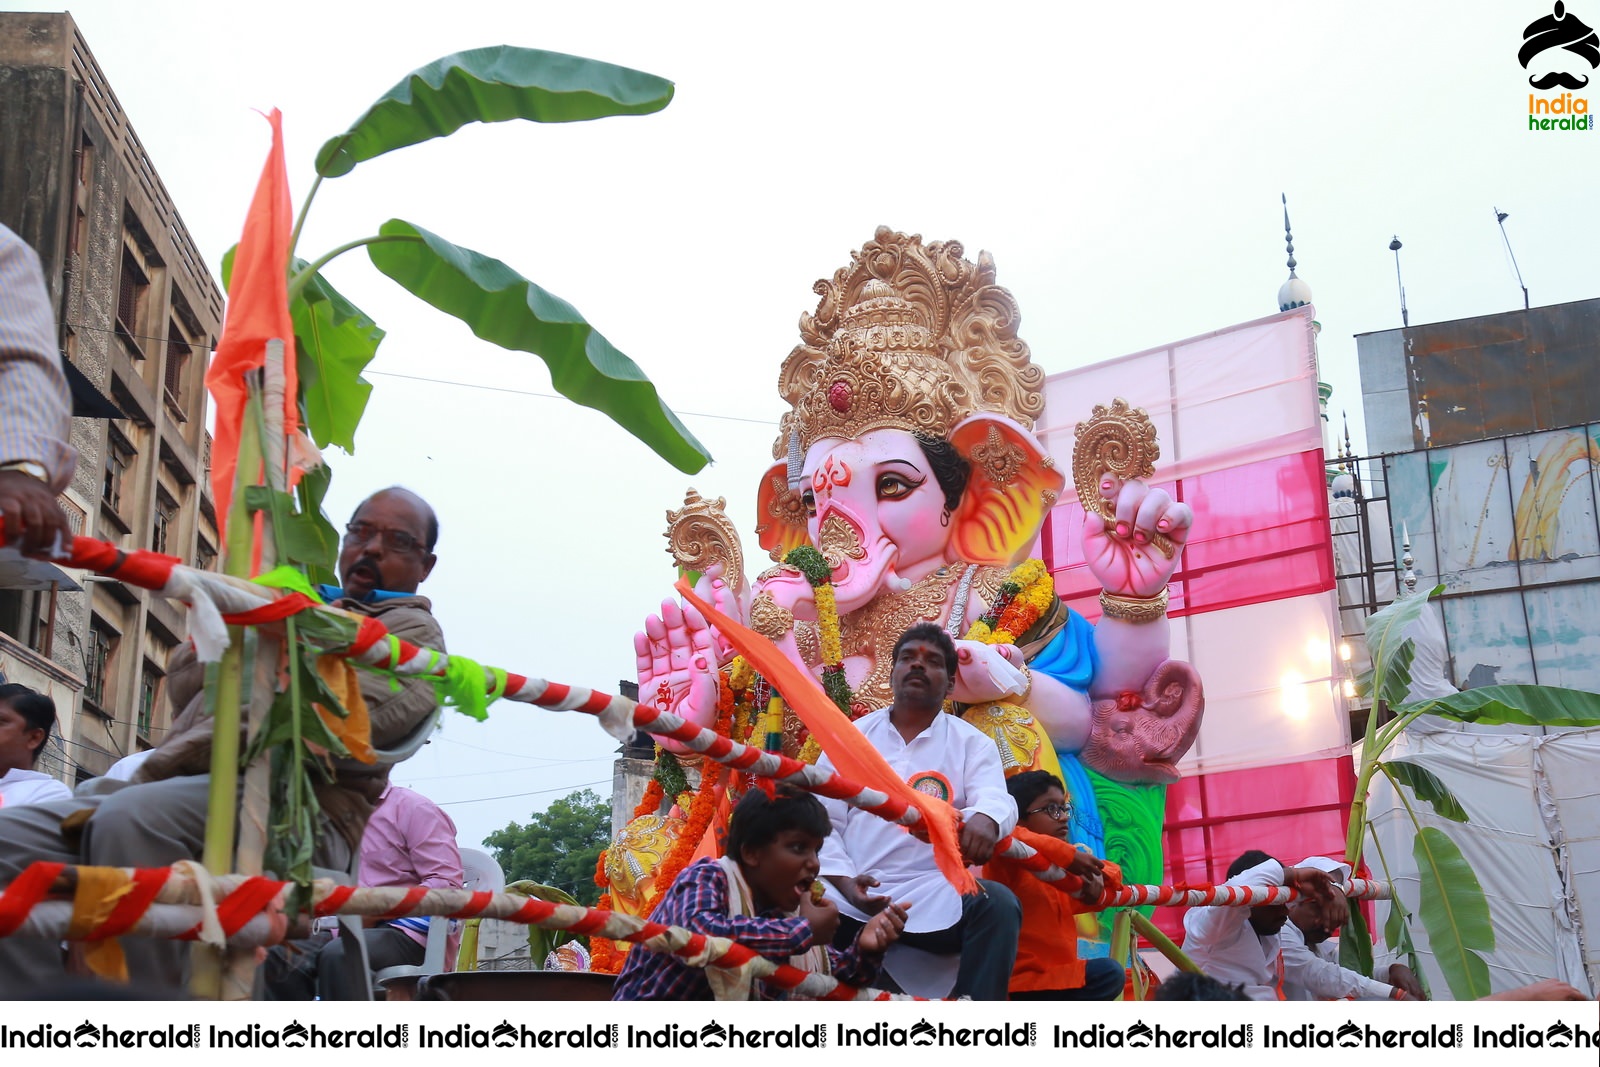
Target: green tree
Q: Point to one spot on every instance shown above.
(558, 846)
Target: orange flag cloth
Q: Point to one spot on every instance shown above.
(258, 311)
(851, 753)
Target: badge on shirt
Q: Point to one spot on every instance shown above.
(931, 783)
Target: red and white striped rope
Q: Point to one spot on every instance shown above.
(166, 902)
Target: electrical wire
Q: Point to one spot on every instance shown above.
(420, 378)
(535, 793)
(550, 396)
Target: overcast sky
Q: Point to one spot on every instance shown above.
(1123, 164)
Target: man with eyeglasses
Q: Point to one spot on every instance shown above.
(386, 554)
(159, 818)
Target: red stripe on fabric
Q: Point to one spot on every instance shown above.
(277, 610)
(554, 693)
(335, 900)
(147, 882)
(413, 895)
(474, 906)
(407, 651)
(148, 570)
(369, 633)
(247, 901)
(592, 922)
(532, 911)
(26, 890)
(596, 703)
(685, 732)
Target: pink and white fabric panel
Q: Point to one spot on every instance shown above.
(1252, 606)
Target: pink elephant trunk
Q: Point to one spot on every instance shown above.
(865, 559)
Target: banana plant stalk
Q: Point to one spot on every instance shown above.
(222, 801)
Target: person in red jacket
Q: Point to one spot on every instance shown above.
(1048, 967)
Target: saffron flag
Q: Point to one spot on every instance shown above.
(258, 311)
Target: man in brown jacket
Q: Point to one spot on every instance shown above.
(159, 818)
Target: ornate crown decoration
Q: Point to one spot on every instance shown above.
(907, 336)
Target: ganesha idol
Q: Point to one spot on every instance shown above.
(907, 461)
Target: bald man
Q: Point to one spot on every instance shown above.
(159, 818)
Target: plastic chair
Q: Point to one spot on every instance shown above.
(480, 874)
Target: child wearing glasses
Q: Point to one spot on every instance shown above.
(1048, 967)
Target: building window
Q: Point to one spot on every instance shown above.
(85, 162)
(42, 632)
(205, 557)
(97, 664)
(166, 522)
(177, 361)
(131, 289)
(149, 693)
(119, 456)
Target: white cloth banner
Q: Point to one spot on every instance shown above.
(1533, 840)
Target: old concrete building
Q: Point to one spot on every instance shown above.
(138, 312)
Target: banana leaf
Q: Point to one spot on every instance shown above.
(334, 341)
(542, 942)
(1355, 942)
(491, 85)
(1387, 641)
(1397, 935)
(1521, 705)
(1455, 913)
(1428, 787)
(504, 307)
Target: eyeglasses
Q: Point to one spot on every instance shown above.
(1055, 811)
(359, 533)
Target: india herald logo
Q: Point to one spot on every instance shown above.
(1549, 37)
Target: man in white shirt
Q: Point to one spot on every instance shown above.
(26, 718)
(937, 752)
(1235, 944)
(1311, 968)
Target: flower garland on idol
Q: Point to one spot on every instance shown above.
(819, 575)
(698, 808)
(1022, 601)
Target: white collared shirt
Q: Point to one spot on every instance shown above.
(1313, 973)
(1225, 945)
(862, 842)
(18, 787)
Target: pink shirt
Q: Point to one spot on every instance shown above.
(410, 841)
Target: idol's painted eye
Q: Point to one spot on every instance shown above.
(809, 499)
(893, 486)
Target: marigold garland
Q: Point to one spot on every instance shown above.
(604, 957)
(817, 572)
(1022, 601)
(700, 807)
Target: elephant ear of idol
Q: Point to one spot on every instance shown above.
(913, 336)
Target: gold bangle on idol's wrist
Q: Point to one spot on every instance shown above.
(1134, 609)
(1027, 686)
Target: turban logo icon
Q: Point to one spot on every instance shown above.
(1559, 30)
